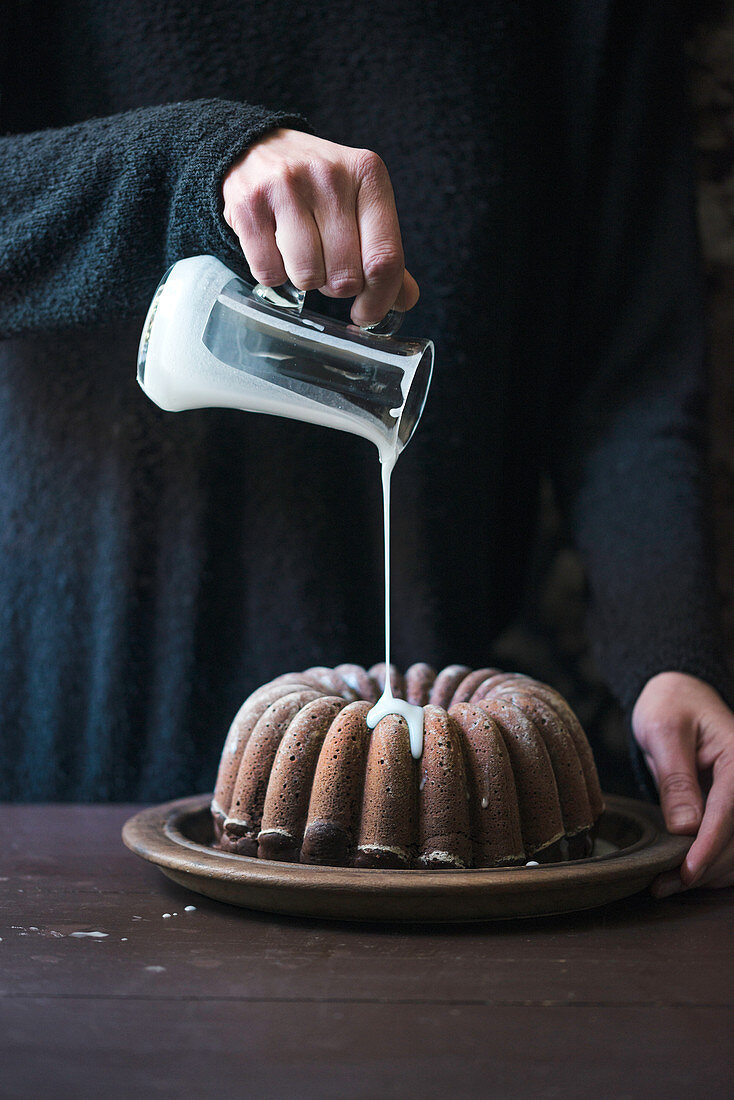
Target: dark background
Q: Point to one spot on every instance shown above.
(549, 639)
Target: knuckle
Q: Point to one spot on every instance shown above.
(240, 226)
(257, 196)
(286, 176)
(387, 263)
(233, 213)
(307, 278)
(345, 283)
(662, 730)
(268, 276)
(328, 175)
(370, 166)
(247, 215)
(677, 783)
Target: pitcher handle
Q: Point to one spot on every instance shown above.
(291, 299)
(287, 296)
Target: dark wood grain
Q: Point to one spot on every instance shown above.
(233, 1049)
(634, 999)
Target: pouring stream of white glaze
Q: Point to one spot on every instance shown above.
(387, 703)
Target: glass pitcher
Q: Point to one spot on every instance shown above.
(211, 340)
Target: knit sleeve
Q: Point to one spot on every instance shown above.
(91, 215)
(631, 462)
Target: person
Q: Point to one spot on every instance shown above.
(157, 568)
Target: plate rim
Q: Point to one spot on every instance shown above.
(154, 834)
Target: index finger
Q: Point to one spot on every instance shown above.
(383, 263)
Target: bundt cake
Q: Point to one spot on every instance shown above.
(506, 777)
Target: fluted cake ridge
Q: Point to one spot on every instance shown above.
(506, 777)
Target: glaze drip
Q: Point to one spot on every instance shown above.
(387, 703)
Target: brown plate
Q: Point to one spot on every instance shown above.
(632, 848)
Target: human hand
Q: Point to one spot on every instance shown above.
(686, 733)
(323, 216)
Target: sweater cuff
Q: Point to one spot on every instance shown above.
(706, 665)
(225, 131)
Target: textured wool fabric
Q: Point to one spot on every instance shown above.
(155, 568)
(93, 213)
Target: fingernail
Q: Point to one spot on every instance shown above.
(693, 877)
(684, 818)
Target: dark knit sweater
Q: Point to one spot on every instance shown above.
(154, 568)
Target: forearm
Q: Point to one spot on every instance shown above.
(92, 214)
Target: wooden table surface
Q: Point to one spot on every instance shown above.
(634, 1000)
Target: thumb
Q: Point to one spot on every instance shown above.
(673, 753)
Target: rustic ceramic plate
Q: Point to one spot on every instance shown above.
(632, 848)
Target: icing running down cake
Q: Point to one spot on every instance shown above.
(506, 776)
